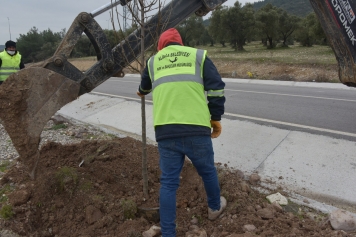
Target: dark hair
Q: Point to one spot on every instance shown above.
(10, 43)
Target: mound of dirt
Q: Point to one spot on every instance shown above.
(95, 188)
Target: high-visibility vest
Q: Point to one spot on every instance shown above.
(9, 65)
(178, 94)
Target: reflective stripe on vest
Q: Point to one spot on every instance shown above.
(216, 93)
(9, 65)
(178, 87)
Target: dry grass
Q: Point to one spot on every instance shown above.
(294, 54)
(277, 71)
(294, 63)
(83, 63)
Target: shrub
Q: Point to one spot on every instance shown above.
(129, 208)
(6, 212)
(66, 180)
(5, 189)
(4, 165)
(58, 126)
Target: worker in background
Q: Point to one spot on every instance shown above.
(178, 77)
(10, 61)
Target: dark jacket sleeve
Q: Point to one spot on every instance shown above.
(214, 85)
(146, 84)
(22, 65)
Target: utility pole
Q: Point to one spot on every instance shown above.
(9, 26)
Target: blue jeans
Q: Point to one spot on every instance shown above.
(199, 150)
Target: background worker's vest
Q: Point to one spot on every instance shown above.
(178, 89)
(9, 65)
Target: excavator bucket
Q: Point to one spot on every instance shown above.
(28, 99)
(338, 19)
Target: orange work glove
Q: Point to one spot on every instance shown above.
(216, 125)
(139, 94)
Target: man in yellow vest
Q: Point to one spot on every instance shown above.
(178, 77)
(10, 61)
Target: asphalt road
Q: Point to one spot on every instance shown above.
(324, 111)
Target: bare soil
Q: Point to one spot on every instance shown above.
(95, 188)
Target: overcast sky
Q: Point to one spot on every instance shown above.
(19, 16)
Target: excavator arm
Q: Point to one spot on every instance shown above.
(30, 97)
(111, 62)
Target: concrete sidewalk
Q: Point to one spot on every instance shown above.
(318, 171)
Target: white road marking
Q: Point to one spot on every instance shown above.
(267, 93)
(304, 96)
(252, 118)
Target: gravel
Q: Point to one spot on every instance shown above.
(7, 150)
(58, 129)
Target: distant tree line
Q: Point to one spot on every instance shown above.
(271, 25)
(234, 26)
(295, 7)
(38, 45)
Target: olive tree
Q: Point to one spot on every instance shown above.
(287, 25)
(267, 21)
(215, 28)
(239, 23)
(191, 29)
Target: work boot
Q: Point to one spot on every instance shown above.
(213, 215)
